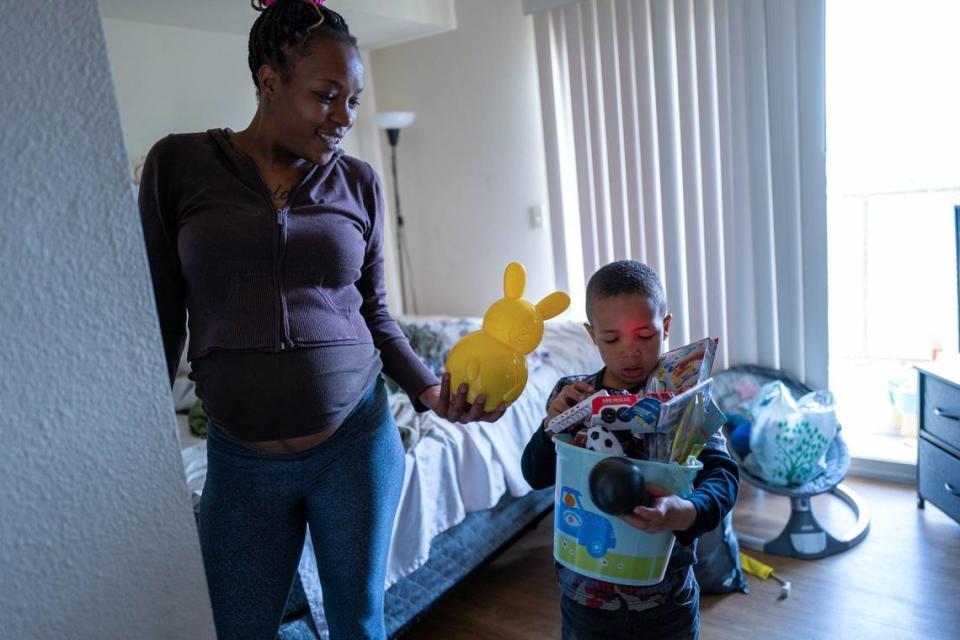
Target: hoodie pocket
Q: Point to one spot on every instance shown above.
(316, 319)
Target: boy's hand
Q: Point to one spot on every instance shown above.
(668, 513)
(569, 396)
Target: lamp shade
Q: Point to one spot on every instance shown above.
(395, 119)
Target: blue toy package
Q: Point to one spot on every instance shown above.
(644, 414)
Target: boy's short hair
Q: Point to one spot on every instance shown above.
(626, 277)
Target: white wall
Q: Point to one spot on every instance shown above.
(174, 80)
(97, 538)
(375, 23)
(366, 141)
(472, 164)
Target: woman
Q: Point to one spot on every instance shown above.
(272, 240)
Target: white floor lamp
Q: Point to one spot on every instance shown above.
(392, 122)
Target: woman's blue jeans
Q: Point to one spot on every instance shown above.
(254, 513)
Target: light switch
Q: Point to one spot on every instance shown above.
(536, 217)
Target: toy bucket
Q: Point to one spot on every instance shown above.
(595, 544)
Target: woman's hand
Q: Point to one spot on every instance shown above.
(457, 409)
(668, 513)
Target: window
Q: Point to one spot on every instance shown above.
(893, 176)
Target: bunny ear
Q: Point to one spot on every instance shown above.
(553, 305)
(514, 280)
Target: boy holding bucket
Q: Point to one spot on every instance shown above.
(628, 321)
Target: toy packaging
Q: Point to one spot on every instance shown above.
(683, 368)
(679, 422)
(667, 422)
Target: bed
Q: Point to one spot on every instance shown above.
(463, 496)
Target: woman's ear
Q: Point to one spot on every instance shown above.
(666, 325)
(268, 79)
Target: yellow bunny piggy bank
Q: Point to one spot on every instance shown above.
(491, 361)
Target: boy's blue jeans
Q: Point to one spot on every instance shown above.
(677, 619)
(255, 509)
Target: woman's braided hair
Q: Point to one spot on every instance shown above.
(282, 30)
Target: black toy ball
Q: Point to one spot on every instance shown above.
(617, 486)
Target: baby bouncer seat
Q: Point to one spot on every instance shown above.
(803, 536)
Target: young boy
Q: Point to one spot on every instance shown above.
(628, 321)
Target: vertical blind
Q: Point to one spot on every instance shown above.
(690, 135)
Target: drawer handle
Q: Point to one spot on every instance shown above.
(943, 414)
(949, 487)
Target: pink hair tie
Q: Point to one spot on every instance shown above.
(270, 3)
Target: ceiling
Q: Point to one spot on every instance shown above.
(375, 23)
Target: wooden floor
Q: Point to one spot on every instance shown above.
(903, 581)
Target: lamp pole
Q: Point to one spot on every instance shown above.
(393, 136)
(392, 122)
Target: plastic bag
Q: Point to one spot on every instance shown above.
(788, 440)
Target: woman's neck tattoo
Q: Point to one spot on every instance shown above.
(280, 194)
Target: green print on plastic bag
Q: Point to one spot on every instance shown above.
(800, 447)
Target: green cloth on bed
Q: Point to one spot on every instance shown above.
(198, 420)
(432, 341)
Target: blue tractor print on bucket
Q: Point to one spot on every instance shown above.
(591, 530)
